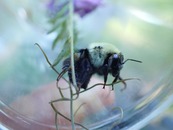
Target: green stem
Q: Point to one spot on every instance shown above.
(72, 62)
(71, 109)
(72, 43)
(56, 121)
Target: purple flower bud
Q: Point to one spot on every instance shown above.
(81, 7)
(54, 6)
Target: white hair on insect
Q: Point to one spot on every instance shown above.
(98, 51)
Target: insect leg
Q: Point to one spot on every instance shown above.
(105, 73)
(116, 78)
(105, 79)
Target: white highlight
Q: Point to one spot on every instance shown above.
(146, 16)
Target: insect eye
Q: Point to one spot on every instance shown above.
(115, 56)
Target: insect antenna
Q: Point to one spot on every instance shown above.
(132, 60)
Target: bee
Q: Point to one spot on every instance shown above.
(99, 58)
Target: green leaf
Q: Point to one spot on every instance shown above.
(58, 24)
(62, 34)
(64, 52)
(60, 14)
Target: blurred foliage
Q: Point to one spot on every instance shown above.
(20, 75)
(60, 24)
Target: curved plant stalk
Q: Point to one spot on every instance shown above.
(66, 23)
(58, 113)
(106, 84)
(75, 113)
(68, 119)
(121, 117)
(47, 59)
(71, 10)
(60, 91)
(72, 43)
(60, 75)
(72, 98)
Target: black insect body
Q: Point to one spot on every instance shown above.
(99, 58)
(83, 68)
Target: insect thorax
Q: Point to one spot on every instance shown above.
(97, 57)
(98, 52)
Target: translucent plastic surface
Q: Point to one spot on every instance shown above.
(140, 29)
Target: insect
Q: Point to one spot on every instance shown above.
(98, 58)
